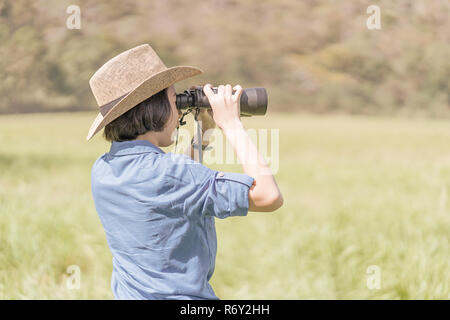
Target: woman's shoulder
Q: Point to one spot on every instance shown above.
(182, 165)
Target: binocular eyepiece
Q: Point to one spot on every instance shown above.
(253, 101)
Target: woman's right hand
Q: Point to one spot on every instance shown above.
(224, 104)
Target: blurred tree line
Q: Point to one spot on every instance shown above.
(313, 55)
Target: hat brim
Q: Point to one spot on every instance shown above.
(146, 89)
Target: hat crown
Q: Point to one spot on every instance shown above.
(124, 73)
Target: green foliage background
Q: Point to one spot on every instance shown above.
(312, 55)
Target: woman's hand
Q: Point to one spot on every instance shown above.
(224, 104)
(206, 117)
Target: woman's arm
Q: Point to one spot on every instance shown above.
(207, 123)
(264, 195)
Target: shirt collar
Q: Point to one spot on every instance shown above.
(133, 147)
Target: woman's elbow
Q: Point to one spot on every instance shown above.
(267, 203)
(277, 202)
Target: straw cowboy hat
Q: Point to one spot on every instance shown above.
(128, 79)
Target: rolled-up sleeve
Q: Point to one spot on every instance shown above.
(225, 194)
(207, 192)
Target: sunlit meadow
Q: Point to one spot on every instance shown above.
(358, 192)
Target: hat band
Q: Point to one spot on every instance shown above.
(104, 109)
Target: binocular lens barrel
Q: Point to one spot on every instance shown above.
(253, 101)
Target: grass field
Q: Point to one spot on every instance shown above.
(358, 192)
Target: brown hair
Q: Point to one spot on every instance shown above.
(151, 114)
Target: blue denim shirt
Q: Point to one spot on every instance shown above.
(158, 210)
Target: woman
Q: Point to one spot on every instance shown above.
(158, 208)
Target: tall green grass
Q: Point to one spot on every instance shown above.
(358, 192)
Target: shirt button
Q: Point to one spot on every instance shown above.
(221, 174)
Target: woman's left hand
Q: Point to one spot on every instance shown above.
(206, 116)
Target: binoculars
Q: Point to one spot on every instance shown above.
(253, 101)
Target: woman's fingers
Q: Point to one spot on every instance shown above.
(207, 90)
(225, 92)
(236, 87)
(238, 92)
(207, 119)
(206, 112)
(221, 90)
(228, 92)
